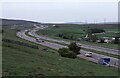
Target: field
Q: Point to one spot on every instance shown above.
(79, 32)
(18, 60)
(0, 50)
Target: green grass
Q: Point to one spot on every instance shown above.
(0, 51)
(0, 54)
(78, 31)
(102, 53)
(110, 33)
(69, 30)
(45, 40)
(26, 33)
(11, 34)
(112, 30)
(34, 62)
(94, 51)
(24, 61)
(107, 45)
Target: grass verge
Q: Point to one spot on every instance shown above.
(25, 61)
(94, 51)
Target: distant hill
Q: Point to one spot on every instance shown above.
(11, 22)
(102, 26)
(108, 23)
(67, 23)
(75, 23)
(81, 23)
(91, 23)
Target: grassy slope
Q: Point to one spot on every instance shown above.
(94, 51)
(78, 31)
(26, 61)
(0, 50)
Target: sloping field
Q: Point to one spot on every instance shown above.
(24, 61)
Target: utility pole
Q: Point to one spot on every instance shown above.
(85, 21)
(104, 20)
(95, 21)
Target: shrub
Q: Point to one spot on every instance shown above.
(65, 52)
(2, 31)
(116, 41)
(56, 26)
(73, 47)
(95, 30)
(93, 38)
(59, 35)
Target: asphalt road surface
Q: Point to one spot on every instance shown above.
(48, 44)
(102, 49)
(95, 57)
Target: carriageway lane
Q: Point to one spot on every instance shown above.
(102, 49)
(95, 57)
(48, 44)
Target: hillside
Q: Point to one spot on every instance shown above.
(19, 60)
(11, 22)
(91, 25)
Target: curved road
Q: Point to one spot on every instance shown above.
(102, 49)
(95, 57)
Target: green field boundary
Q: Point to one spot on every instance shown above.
(0, 51)
(91, 50)
(26, 33)
(51, 32)
(102, 53)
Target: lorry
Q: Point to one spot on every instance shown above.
(104, 61)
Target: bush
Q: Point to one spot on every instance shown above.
(65, 52)
(73, 47)
(93, 38)
(59, 35)
(56, 26)
(95, 30)
(116, 41)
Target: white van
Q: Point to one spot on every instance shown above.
(88, 54)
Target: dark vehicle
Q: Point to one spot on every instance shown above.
(39, 40)
(104, 61)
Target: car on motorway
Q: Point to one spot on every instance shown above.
(39, 40)
(26, 30)
(88, 54)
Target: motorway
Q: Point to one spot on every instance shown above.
(48, 44)
(95, 57)
(102, 49)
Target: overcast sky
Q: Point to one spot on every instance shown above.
(62, 10)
